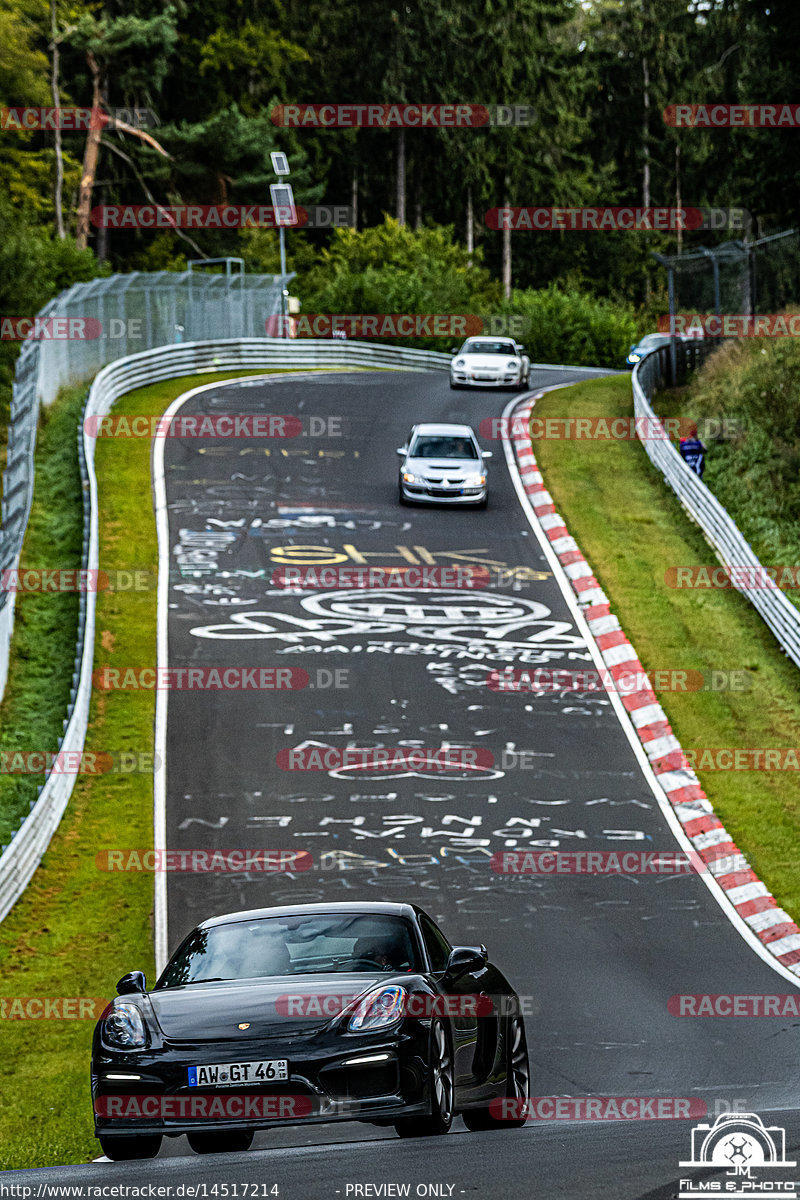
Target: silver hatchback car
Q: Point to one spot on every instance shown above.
(443, 464)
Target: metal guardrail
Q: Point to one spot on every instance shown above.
(21, 858)
(702, 505)
(101, 321)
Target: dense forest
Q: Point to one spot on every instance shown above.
(196, 94)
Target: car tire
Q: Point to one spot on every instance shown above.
(119, 1149)
(518, 1083)
(482, 503)
(456, 387)
(401, 498)
(229, 1142)
(442, 1089)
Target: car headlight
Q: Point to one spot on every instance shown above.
(409, 478)
(460, 362)
(124, 1028)
(512, 366)
(633, 357)
(381, 1007)
(475, 480)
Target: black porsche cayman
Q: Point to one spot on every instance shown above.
(307, 1013)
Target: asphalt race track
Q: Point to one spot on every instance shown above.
(596, 957)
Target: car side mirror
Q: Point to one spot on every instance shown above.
(522, 349)
(402, 451)
(631, 347)
(464, 959)
(486, 454)
(135, 982)
(454, 351)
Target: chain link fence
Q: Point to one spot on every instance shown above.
(91, 325)
(762, 276)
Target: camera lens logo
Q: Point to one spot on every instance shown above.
(738, 1144)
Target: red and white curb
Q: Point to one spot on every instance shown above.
(750, 898)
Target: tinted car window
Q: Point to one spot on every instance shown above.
(302, 945)
(436, 944)
(490, 348)
(443, 447)
(654, 339)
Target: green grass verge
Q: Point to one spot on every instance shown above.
(45, 625)
(631, 528)
(77, 930)
(749, 388)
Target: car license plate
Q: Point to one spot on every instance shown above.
(231, 1074)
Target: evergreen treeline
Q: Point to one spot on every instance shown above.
(597, 73)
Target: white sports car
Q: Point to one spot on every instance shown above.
(490, 362)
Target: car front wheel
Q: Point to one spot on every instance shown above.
(118, 1149)
(517, 1085)
(442, 1089)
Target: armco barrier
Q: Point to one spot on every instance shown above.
(21, 858)
(118, 314)
(720, 531)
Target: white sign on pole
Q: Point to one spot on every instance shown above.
(283, 203)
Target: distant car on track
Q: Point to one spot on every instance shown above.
(443, 464)
(645, 345)
(652, 341)
(485, 362)
(350, 1011)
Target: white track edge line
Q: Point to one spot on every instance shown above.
(161, 933)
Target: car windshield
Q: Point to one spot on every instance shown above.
(299, 945)
(490, 348)
(654, 339)
(426, 446)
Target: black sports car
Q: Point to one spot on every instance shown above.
(313, 1012)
